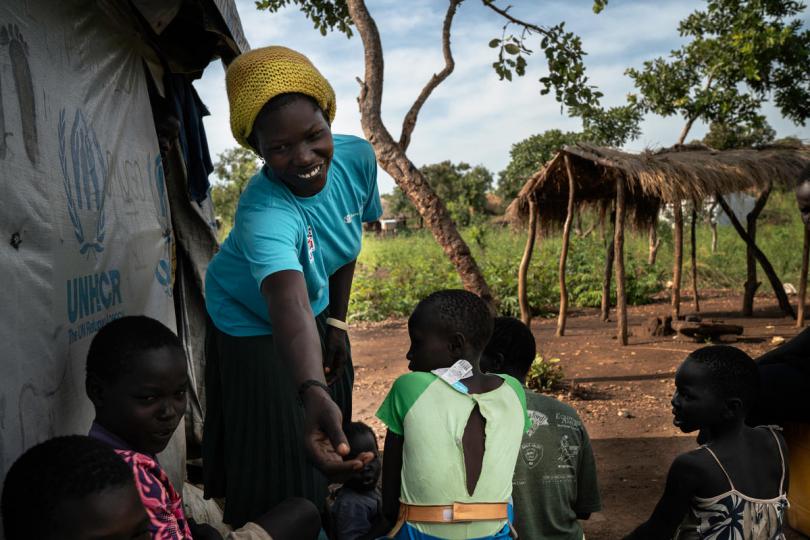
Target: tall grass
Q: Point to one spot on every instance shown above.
(393, 274)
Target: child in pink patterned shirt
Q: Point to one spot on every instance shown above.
(137, 381)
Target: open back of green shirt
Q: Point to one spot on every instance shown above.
(431, 416)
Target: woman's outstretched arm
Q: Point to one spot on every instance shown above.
(297, 341)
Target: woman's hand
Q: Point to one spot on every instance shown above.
(337, 353)
(324, 439)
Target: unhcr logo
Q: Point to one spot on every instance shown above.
(163, 269)
(83, 179)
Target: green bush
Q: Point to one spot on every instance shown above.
(394, 273)
(544, 375)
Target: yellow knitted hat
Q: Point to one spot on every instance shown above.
(259, 75)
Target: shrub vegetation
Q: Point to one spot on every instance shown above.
(394, 273)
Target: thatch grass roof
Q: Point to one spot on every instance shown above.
(686, 172)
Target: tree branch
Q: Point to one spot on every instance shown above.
(409, 122)
(505, 14)
(691, 120)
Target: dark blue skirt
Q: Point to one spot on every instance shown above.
(253, 452)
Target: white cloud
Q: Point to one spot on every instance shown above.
(472, 116)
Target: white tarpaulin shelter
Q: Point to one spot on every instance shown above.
(91, 225)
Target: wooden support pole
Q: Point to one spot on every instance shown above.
(654, 242)
(803, 279)
(751, 283)
(569, 218)
(677, 263)
(608, 274)
(693, 241)
(778, 288)
(523, 295)
(618, 239)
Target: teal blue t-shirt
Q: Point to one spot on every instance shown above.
(275, 230)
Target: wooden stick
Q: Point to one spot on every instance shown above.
(569, 218)
(677, 264)
(523, 295)
(618, 239)
(776, 284)
(803, 279)
(693, 236)
(609, 255)
(751, 283)
(654, 242)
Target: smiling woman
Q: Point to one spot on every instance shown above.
(278, 368)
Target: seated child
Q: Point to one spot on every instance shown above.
(358, 503)
(136, 379)
(70, 488)
(555, 476)
(735, 484)
(453, 431)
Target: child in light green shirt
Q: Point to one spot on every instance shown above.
(453, 431)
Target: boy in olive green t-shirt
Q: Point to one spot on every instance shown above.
(554, 485)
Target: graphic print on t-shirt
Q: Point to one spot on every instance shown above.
(532, 453)
(537, 419)
(568, 453)
(310, 244)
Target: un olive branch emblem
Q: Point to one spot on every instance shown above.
(85, 190)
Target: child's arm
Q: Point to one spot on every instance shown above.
(682, 481)
(392, 475)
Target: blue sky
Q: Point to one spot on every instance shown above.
(472, 116)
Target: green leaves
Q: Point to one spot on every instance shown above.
(528, 155)
(326, 15)
(463, 189)
(741, 53)
(234, 168)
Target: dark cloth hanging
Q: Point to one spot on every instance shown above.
(190, 110)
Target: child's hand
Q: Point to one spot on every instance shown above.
(337, 352)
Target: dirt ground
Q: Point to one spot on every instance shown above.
(621, 393)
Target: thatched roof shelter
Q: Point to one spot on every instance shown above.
(637, 186)
(686, 172)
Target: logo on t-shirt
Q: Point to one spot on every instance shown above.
(537, 419)
(568, 453)
(310, 244)
(349, 217)
(532, 453)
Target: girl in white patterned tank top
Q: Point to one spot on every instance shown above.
(734, 485)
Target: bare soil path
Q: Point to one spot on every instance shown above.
(621, 393)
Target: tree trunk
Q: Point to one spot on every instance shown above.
(609, 252)
(569, 218)
(751, 283)
(778, 288)
(654, 241)
(693, 241)
(803, 279)
(523, 295)
(677, 265)
(394, 161)
(618, 239)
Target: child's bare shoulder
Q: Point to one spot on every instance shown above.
(692, 464)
